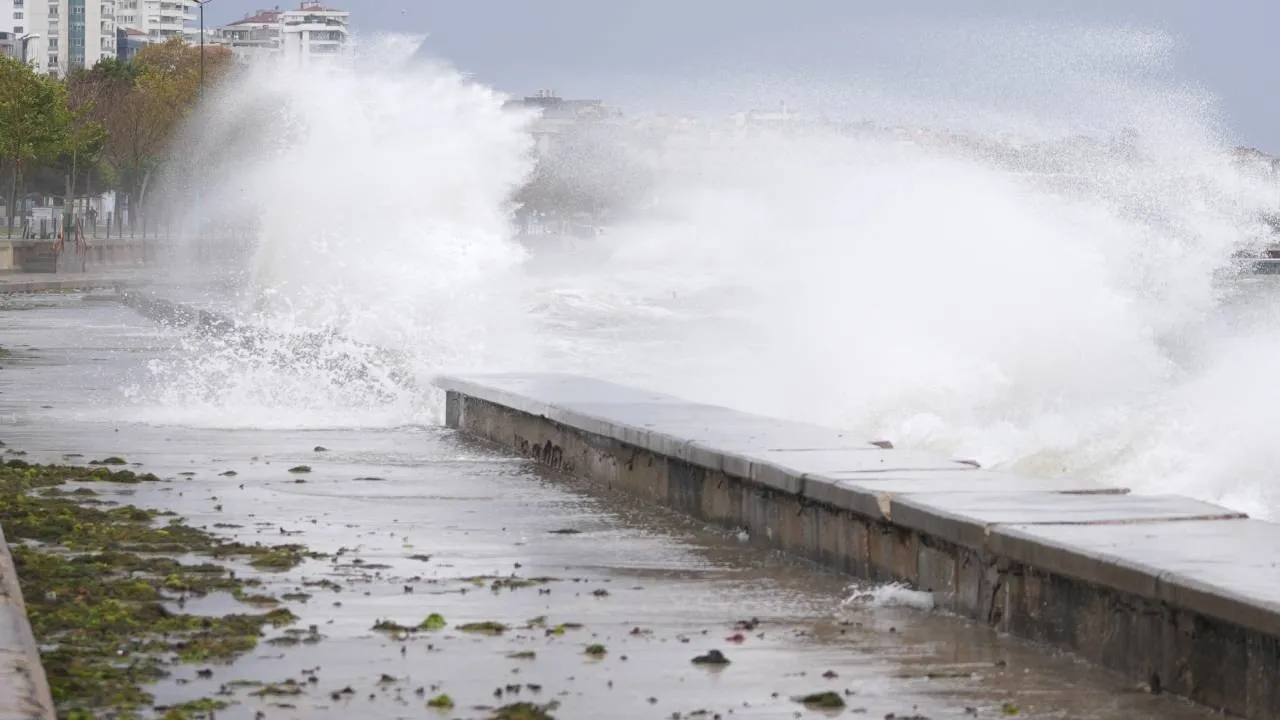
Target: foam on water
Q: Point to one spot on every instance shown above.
(938, 298)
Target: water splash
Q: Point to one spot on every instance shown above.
(1037, 300)
(375, 194)
(890, 595)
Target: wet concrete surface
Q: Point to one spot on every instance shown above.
(412, 514)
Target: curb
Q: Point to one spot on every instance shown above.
(1177, 594)
(35, 286)
(24, 689)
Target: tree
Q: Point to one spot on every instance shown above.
(109, 126)
(149, 98)
(85, 136)
(33, 122)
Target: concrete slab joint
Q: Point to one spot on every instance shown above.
(1167, 590)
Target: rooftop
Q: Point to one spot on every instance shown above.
(315, 7)
(260, 17)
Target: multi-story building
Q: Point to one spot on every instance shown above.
(16, 35)
(255, 37)
(558, 117)
(129, 41)
(159, 20)
(11, 16)
(312, 31)
(64, 35)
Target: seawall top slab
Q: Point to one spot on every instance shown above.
(785, 455)
(877, 494)
(1223, 569)
(541, 391)
(966, 518)
(705, 435)
(791, 470)
(857, 461)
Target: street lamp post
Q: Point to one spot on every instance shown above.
(201, 4)
(199, 181)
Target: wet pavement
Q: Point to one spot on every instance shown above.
(418, 520)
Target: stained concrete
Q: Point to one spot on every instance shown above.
(24, 691)
(1151, 587)
(58, 282)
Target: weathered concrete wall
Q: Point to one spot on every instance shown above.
(37, 256)
(1172, 592)
(24, 691)
(48, 282)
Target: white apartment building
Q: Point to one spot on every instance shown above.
(255, 37)
(313, 31)
(68, 34)
(159, 20)
(310, 32)
(11, 17)
(16, 35)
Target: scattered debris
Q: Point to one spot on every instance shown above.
(713, 657)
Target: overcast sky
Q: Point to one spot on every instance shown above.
(1011, 53)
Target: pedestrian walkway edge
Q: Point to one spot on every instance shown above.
(24, 689)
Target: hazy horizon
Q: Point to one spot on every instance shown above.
(663, 50)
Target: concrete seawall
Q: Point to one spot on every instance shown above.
(24, 690)
(1180, 595)
(53, 282)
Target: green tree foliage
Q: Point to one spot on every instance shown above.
(34, 122)
(109, 127)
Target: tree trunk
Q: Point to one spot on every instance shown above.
(13, 195)
(69, 203)
(137, 202)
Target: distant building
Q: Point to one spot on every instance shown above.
(12, 20)
(314, 31)
(10, 46)
(255, 37)
(159, 20)
(129, 41)
(1254, 159)
(310, 32)
(558, 115)
(781, 119)
(65, 35)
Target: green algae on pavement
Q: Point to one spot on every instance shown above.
(524, 711)
(441, 702)
(821, 701)
(101, 584)
(487, 627)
